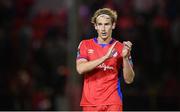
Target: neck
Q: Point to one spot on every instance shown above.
(104, 41)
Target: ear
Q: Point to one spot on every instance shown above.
(114, 25)
(95, 26)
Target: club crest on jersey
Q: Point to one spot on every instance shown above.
(105, 67)
(115, 54)
(90, 51)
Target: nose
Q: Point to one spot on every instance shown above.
(103, 27)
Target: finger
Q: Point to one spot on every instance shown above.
(128, 44)
(126, 47)
(125, 50)
(113, 45)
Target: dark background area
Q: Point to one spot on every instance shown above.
(35, 63)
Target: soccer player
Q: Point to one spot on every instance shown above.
(99, 60)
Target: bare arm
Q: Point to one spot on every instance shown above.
(128, 71)
(83, 66)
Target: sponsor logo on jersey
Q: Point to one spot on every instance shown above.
(90, 51)
(105, 67)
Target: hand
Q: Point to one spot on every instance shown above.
(111, 51)
(126, 49)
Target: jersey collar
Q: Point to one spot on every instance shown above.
(96, 41)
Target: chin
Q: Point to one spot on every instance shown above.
(104, 37)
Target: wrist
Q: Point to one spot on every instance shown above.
(126, 58)
(105, 57)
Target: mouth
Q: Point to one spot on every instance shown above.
(104, 33)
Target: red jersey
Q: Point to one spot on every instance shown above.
(101, 85)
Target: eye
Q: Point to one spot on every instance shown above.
(107, 24)
(99, 24)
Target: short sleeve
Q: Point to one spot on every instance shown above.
(82, 50)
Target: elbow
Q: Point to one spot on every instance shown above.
(129, 80)
(80, 71)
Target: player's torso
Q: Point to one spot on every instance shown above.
(96, 51)
(102, 81)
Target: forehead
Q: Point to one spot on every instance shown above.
(103, 17)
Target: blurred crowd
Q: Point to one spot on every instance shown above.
(33, 52)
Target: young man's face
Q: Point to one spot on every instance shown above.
(104, 26)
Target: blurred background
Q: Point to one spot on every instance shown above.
(38, 45)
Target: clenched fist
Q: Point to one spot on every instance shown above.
(126, 49)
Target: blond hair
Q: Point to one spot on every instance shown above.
(107, 11)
